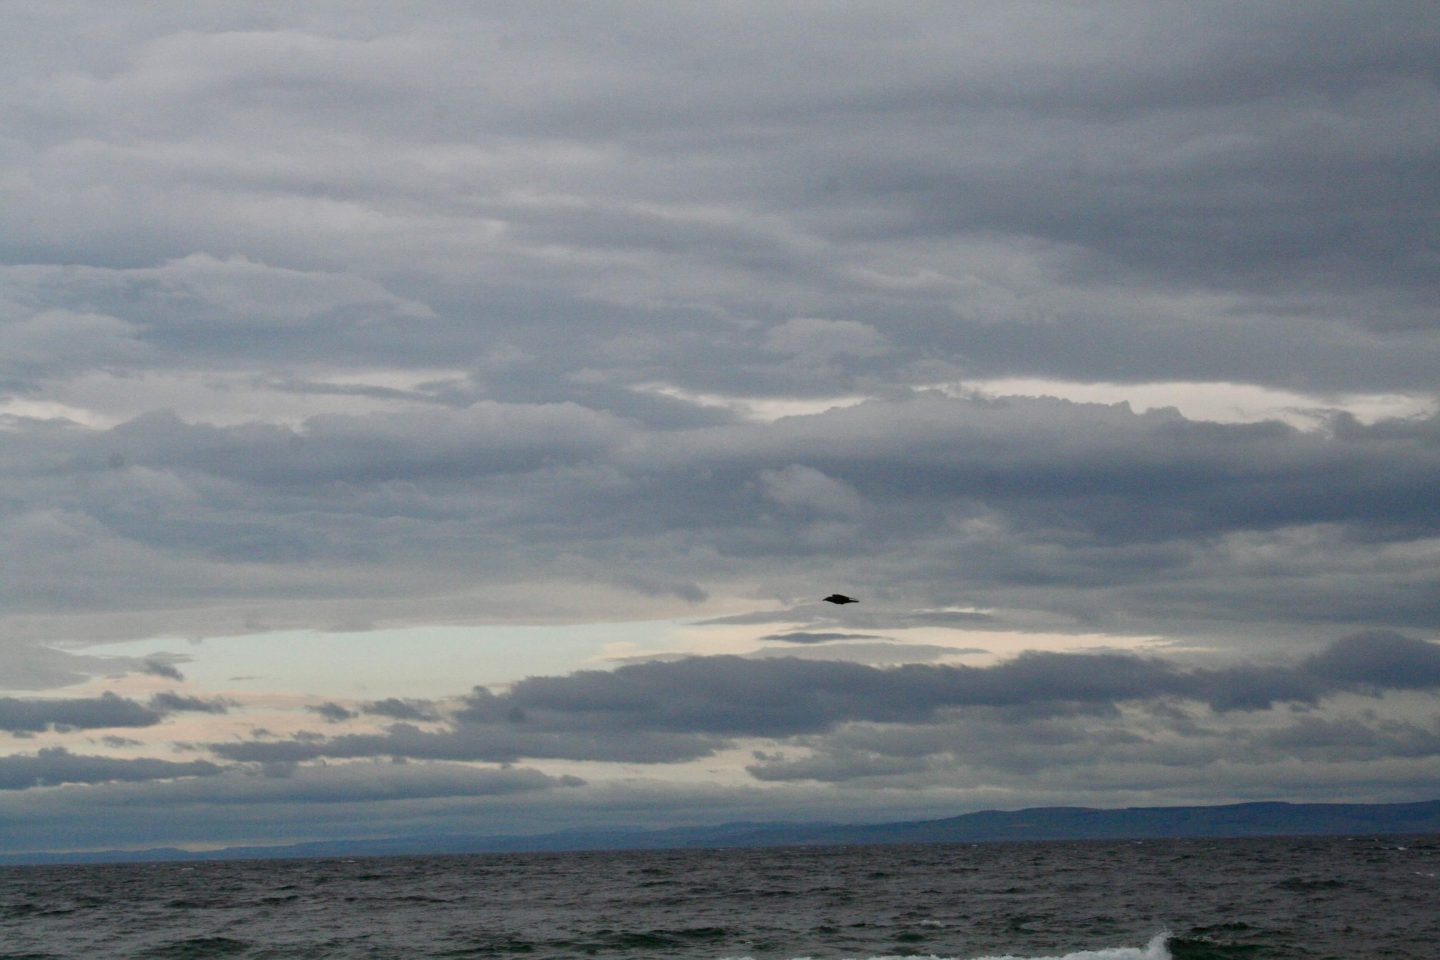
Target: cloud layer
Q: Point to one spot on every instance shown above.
(540, 314)
(681, 710)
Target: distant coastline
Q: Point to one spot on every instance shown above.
(1259, 819)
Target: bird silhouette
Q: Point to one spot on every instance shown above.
(840, 598)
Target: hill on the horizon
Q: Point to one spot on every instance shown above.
(1258, 819)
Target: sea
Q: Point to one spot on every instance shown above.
(1357, 898)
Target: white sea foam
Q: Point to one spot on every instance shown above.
(1154, 950)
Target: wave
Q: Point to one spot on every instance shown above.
(1156, 949)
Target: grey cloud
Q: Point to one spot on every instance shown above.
(398, 709)
(782, 697)
(35, 666)
(875, 653)
(1334, 741)
(503, 739)
(56, 342)
(680, 710)
(1024, 507)
(242, 806)
(483, 438)
(1120, 750)
(357, 783)
(450, 352)
(1382, 659)
(188, 311)
(171, 702)
(837, 766)
(332, 712)
(352, 783)
(56, 765)
(1170, 145)
(246, 378)
(689, 592)
(87, 713)
(803, 636)
(162, 668)
(91, 713)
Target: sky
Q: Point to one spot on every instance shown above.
(432, 418)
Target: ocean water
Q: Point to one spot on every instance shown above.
(1154, 900)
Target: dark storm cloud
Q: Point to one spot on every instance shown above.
(672, 711)
(56, 765)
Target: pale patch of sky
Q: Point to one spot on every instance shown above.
(760, 409)
(1218, 402)
(419, 661)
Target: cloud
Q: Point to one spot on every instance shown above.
(836, 766)
(398, 709)
(56, 765)
(1024, 507)
(802, 636)
(87, 713)
(325, 320)
(875, 653)
(241, 806)
(332, 712)
(673, 711)
(1381, 659)
(34, 666)
(464, 332)
(814, 340)
(171, 702)
(19, 715)
(1354, 739)
(805, 488)
(494, 741)
(162, 668)
(59, 341)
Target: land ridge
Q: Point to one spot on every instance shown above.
(1252, 819)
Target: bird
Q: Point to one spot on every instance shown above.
(840, 598)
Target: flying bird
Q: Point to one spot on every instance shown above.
(840, 598)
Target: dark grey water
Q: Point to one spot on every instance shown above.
(1266, 898)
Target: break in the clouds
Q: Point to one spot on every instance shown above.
(1013, 320)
